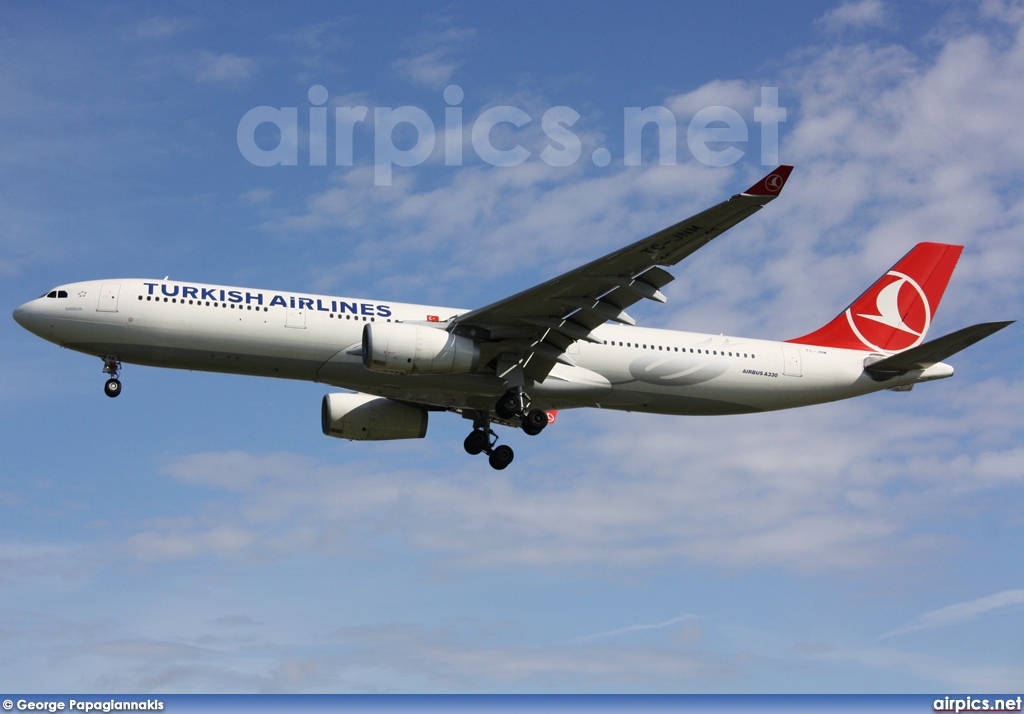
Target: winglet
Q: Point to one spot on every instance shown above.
(771, 184)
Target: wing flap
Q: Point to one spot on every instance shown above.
(569, 328)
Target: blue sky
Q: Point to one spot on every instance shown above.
(200, 534)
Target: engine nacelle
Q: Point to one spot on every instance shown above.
(362, 417)
(398, 348)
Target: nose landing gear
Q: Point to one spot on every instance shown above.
(112, 366)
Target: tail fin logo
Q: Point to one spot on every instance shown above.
(900, 318)
(774, 183)
(895, 312)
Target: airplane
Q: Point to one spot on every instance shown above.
(565, 343)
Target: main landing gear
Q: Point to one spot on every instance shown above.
(513, 403)
(112, 367)
(483, 439)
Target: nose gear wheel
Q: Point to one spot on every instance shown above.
(112, 366)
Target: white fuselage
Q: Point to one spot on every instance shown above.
(266, 333)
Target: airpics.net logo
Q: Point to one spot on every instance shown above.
(270, 136)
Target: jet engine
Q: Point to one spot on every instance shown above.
(398, 348)
(362, 417)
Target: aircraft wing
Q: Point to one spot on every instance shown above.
(538, 324)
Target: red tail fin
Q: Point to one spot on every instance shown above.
(895, 312)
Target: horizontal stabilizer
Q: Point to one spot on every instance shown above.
(933, 352)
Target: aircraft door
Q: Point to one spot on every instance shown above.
(295, 317)
(108, 297)
(791, 361)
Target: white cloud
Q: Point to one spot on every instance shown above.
(739, 95)
(393, 657)
(518, 221)
(631, 493)
(57, 564)
(432, 69)
(161, 545)
(225, 67)
(891, 149)
(317, 36)
(316, 48)
(1009, 11)
(962, 612)
(638, 628)
(940, 672)
(439, 658)
(256, 195)
(855, 16)
(434, 66)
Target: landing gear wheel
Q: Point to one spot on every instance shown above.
(483, 439)
(112, 388)
(501, 457)
(535, 421)
(112, 367)
(476, 442)
(508, 406)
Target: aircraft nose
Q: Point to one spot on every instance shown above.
(21, 315)
(27, 316)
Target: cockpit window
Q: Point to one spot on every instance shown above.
(57, 294)
(52, 294)
(62, 293)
